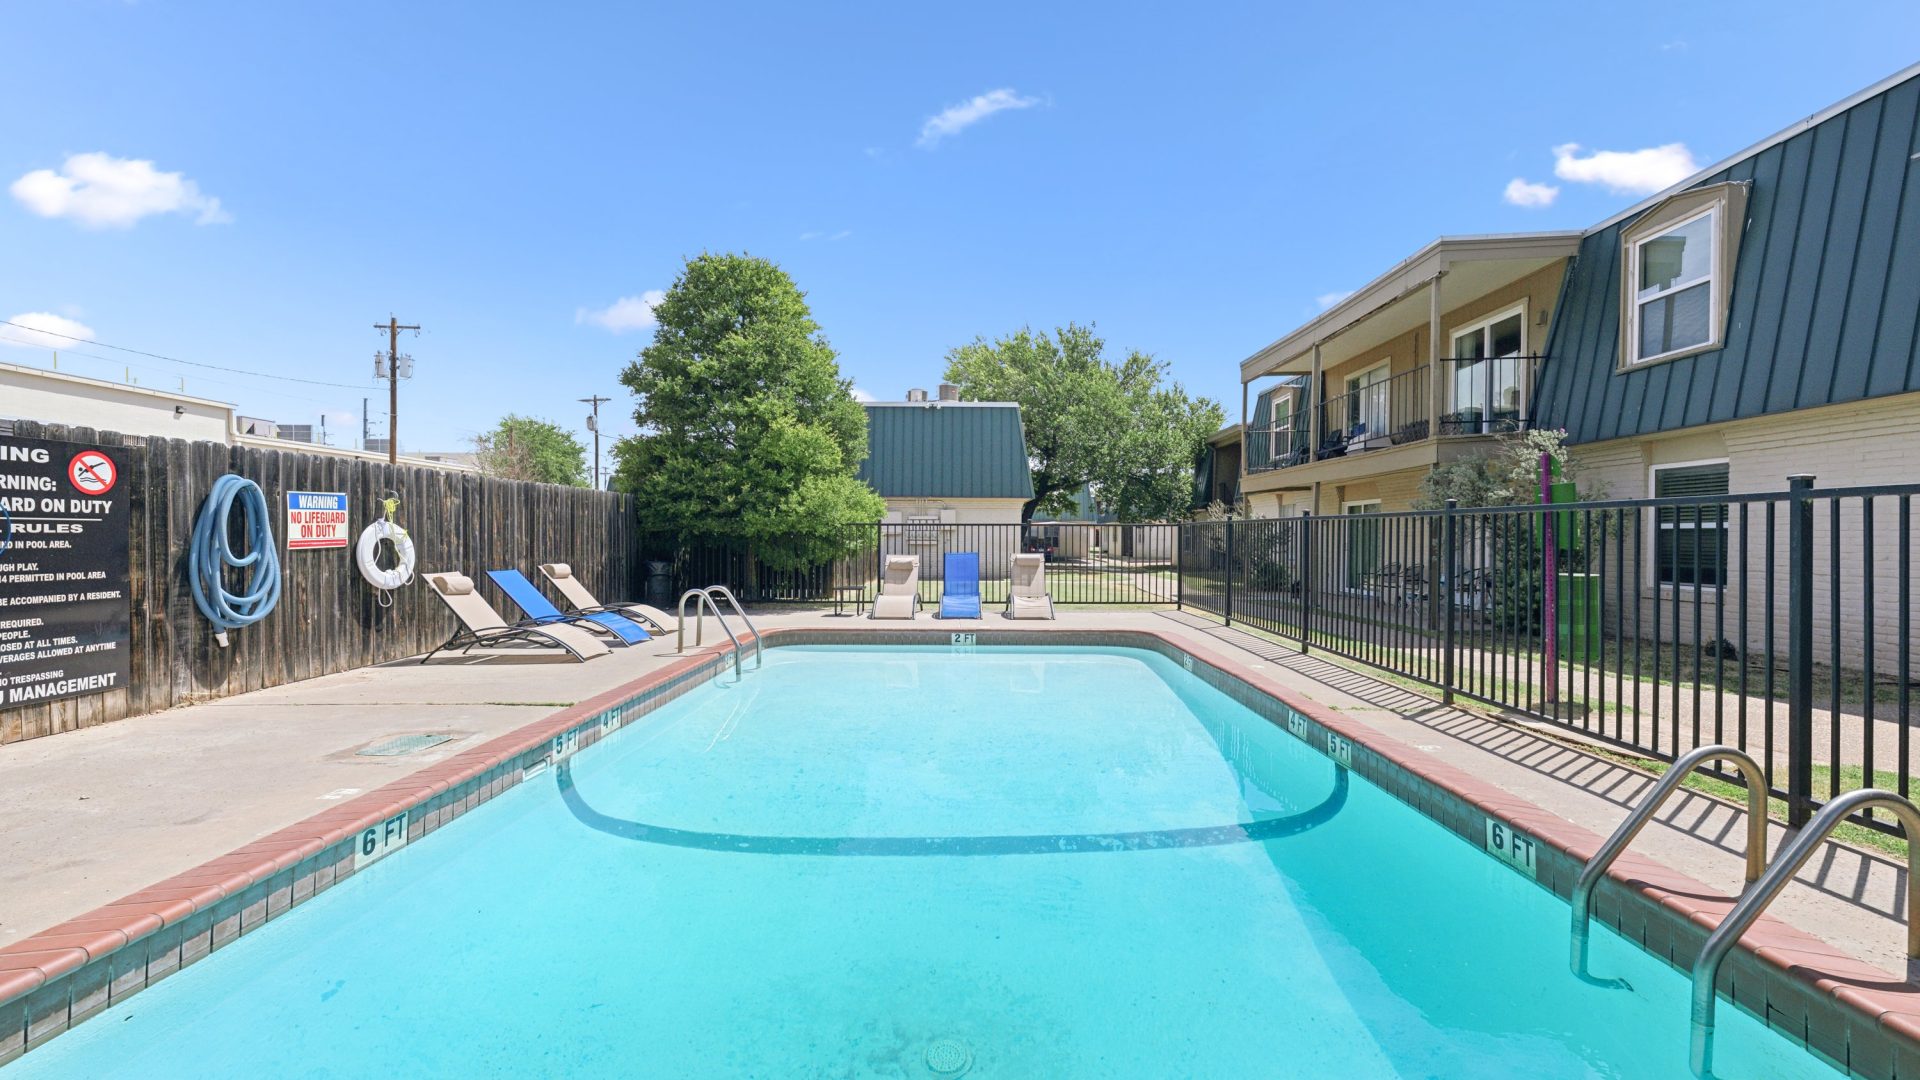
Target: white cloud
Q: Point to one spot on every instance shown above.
(101, 191)
(624, 314)
(1527, 193)
(1626, 172)
(1327, 300)
(44, 330)
(862, 395)
(820, 234)
(957, 118)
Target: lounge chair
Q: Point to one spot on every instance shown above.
(541, 610)
(1027, 596)
(481, 625)
(581, 602)
(960, 593)
(899, 589)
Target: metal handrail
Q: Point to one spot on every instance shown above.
(1596, 867)
(700, 623)
(759, 658)
(1706, 969)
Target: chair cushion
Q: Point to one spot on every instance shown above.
(455, 584)
(558, 569)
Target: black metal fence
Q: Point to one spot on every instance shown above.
(1777, 622)
(1086, 563)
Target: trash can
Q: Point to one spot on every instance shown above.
(1578, 615)
(659, 583)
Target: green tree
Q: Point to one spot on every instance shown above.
(1507, 474)
(523, 448)
(748, 434)
(1122, 429)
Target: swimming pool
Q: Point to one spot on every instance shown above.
(921, 862)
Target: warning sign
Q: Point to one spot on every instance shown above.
(316, 519)
(92, 472)
(65, 623)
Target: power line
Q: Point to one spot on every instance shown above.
(150, 369)
(177, 360)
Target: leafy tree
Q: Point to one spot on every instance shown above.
(1120, 428)
(748, 433)
(523, 448)
(1506, 475)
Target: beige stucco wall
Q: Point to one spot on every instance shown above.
(55, 398)
(1857, 444)
(1395, 491)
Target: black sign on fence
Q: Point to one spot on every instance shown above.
(65, 625)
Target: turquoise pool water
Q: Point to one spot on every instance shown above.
(885, 862)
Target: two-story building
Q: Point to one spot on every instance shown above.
(1422, 365)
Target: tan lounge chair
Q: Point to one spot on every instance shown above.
(899, 589)
(581, 602)
(481, 625)
(1027, 594)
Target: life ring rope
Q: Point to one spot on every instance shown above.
(367, 554)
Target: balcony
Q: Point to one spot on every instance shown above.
(1480, 397)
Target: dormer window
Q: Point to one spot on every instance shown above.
(1673, 276)
(1677, 274)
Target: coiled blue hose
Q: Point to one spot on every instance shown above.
(207, 562)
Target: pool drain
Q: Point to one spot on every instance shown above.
(948, 1057)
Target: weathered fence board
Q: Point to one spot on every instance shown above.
(329, 619)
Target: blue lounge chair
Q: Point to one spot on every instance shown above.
(540, 610)
(960, 595)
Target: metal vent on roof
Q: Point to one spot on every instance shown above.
(401, 744)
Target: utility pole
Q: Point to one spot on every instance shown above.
(393, 329)
(593, 425)
(363, 423)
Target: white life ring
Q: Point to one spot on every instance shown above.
(366, 554)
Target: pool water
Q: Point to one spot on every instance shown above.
(922, 862)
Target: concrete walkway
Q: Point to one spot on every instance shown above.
(91, 815)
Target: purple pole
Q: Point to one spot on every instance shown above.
(1550, 616)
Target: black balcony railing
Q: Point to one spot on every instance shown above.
(1390, 412)
(1491, 396)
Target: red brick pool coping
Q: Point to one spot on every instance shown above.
(1850, 1013)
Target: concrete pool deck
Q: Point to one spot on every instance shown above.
(93, 815)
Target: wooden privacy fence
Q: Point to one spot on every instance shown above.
(329, 618)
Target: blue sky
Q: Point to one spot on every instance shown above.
(1194, 181)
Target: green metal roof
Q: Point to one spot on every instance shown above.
(1824, 288)
(947, 450)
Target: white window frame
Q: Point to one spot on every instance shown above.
(1351, 382)
(1654, 527)
(1364, 507)
(1712, 282)
(1481, 325)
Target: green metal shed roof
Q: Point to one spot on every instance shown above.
(947, 450)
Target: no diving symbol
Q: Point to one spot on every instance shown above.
(92, 472)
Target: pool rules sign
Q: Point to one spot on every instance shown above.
(65, 624)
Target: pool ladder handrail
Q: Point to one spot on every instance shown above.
(1706, 969)
(759, 658)
(1596, 868)
(700, 624)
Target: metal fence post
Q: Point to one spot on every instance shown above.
(1800, 650)
(1229, 574)
(1180, 566)
(1306, 578)
(1449, 577)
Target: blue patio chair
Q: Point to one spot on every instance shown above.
(960, 593)
(539, 610)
